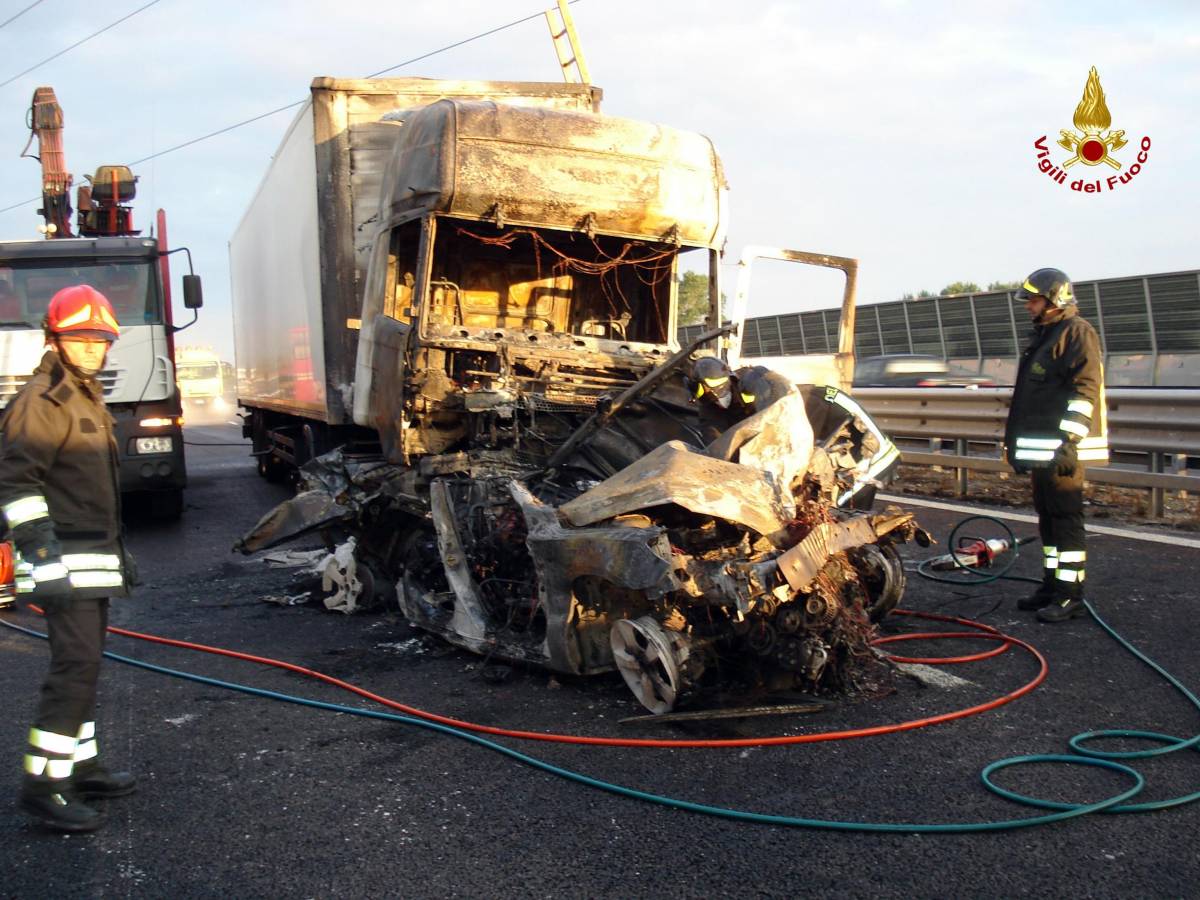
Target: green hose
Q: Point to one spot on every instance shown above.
(1072, 810)
(1083, 755)
(1061, 811)
(1077, 743)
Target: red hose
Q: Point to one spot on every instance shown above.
(939, 660)
(983, 632)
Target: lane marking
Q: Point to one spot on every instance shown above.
(1126, 533)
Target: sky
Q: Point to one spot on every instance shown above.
(898, 133)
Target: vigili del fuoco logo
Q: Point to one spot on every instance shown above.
(1093, 143)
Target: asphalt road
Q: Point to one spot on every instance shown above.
(245, 797)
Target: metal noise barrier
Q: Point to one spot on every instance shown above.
(1161, 425)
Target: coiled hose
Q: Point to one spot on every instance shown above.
(1079, 742)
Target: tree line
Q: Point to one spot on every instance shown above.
(962, 287)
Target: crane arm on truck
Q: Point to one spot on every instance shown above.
(46, 124)
(103, 202)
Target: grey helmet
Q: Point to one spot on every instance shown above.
(1053, 284)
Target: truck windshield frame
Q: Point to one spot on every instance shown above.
(488, 283)
(130, 284)
(187, 371)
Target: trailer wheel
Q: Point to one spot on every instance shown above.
(272, 469)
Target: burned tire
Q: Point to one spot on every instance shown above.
(661, 667)
(424, 594)
(883, 575)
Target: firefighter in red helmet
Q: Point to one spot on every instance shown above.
(1056, 424)
(60, 501)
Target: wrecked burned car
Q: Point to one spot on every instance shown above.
(542, 490)
(688, 565)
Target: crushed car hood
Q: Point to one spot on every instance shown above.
(674, 473)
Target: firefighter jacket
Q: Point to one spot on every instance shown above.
(1059, 395)
(58, 470)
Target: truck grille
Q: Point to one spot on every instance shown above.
(561, 402)
(570, 390)
(110, 379)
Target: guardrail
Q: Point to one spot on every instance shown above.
(1161, 424)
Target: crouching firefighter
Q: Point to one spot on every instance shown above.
(1056, 424)
(60, 500)
(727, 397)
(839, 424)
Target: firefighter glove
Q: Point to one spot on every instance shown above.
(36, 542)
(53, 595)
(1065, 459)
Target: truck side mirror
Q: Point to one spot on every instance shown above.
(193, 293)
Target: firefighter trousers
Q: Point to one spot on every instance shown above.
(1058, 500)
(66, 707)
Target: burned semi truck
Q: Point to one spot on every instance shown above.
(456, 313)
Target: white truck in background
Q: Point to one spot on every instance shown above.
(205, 384)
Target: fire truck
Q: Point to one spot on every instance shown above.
(103, 250)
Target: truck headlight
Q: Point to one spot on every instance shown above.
(153, 445)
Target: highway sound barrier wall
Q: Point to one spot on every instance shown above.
(1149, 327)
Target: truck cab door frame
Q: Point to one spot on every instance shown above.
(387, 341)
(841, 363)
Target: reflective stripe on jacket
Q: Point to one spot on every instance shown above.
(58, 462)
(1059, 395)
(83, 571)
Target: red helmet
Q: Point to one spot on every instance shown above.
(81, 310)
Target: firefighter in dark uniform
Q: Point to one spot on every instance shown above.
(59, 496)
(1056, 424)
(728, 397)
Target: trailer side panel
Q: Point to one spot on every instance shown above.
(275, 269)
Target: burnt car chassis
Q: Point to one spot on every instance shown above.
(691, 567)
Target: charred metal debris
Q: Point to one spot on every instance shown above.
(682, 569)
(582, 529)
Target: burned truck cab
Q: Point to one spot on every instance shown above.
(527, 269)
(544, 491)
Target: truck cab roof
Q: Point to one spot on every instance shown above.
(555, 168)
(78, 247)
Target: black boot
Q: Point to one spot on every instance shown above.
(55, 804)
(1062, 609)
(95, 781)
(1043, 596)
